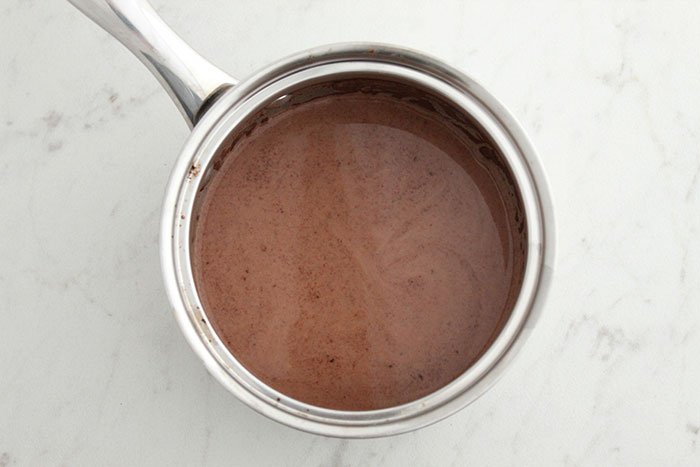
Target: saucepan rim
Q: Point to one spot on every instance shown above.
(330, 63)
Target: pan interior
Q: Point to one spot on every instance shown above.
(344, 277)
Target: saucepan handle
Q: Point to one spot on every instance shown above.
(191, 81)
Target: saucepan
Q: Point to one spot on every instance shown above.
(214, 104)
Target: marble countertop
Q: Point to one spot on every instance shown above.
(94, 368)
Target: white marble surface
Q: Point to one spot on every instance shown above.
(93, 369)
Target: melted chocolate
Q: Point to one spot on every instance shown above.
(358, 251)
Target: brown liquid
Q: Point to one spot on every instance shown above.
(358, 252)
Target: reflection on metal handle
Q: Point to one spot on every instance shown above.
(190, 80)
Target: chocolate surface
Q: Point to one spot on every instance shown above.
(357, 251)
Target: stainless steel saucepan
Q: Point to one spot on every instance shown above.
(215, 105)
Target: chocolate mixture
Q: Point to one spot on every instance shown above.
(357, 251)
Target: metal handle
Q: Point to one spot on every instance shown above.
(190, 80)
